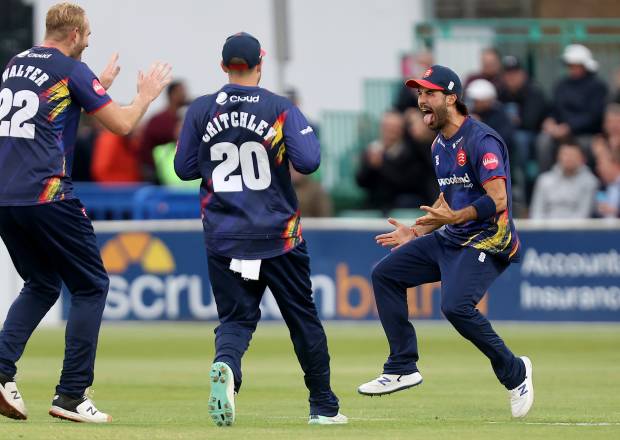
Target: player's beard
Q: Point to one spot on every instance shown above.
(80, 45)
(440, 117)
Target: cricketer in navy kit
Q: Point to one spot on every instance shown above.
(466, 240)
(240, 141)
(43, 225)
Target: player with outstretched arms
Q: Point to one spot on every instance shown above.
(240, 141)
(43, 225)
(465, 240)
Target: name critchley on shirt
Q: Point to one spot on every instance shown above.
(234, 119)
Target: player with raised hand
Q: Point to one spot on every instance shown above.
(240, 141)
(465, 240)
(43, 225)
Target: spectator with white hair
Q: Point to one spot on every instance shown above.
(578, 104)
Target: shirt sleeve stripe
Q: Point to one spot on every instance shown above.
(493, 178)
(99, 108)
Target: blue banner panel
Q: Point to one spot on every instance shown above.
(563, 276)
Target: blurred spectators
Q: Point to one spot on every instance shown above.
(419, 139)
(160, 129)
(610, 138)
(608, 169)
(386, 168)
(292, 94)
(313, 199)
(115, 158)
(163, 158)
(88, 131)
(481, 97)
(490, 68)
(568, 190)
(407, 97)
(578, 104)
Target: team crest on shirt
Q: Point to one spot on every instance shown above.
(461, 157)
(98, 88)
(490, 161)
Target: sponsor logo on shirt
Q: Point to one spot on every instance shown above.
(221, 98)
(307, 130)
(457, 142)
(490, 161)
(454, 180)
(461, 157)
(98, 88)
(437, 160)
(253, 99)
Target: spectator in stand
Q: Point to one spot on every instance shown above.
(313, 199)
(525, 105)
(160, 129)
(608, 169)
(578, 104)
(610, 138)
(419, 139)
(386, 168)
(616, 88)
(115, 158)
(88, 131)
(490, 68)
(407, 97)
(568, 190)
(481, 98)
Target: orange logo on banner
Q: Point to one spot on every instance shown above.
(137, 248)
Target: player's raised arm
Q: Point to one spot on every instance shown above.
(301, 142)
(123, 119)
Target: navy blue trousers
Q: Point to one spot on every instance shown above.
(465, 274)
(50, 244)
(238, 300)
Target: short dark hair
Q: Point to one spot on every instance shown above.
(172, 87)
(571, 143)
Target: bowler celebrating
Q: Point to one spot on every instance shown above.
(43, 225)
(240, 140)
(466, 240)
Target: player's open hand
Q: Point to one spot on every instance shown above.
(439, 216)
(399, 236)
(110, 72)
(153, 82)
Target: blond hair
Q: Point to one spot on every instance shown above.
(62, 18)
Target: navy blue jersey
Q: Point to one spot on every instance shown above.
(240, 141)
(475, 155)
(41, 96)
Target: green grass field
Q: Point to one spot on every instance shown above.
(153, 380)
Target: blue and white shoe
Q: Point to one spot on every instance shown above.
(522, 397)
(389, 383)
(222, 398)
(338, 419)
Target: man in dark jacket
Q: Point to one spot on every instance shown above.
(578, 104)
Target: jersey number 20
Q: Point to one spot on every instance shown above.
(29, 103)
(255, 179)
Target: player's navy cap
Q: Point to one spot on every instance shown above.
(245, 46)
(438, 78)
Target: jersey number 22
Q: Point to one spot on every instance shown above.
(18, 127)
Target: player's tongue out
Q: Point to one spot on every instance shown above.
(429, 118)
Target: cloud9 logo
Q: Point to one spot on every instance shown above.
(222, 98)
(144, 285)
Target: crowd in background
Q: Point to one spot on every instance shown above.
(564, 149)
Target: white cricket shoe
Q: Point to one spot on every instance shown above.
(389, 383)
(77, 410)
(11, 403)
(338, 419)
(222, 398)
(522, 397)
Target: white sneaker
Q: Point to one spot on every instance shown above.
(222, 398)
(11, 403)
(77, 410)
(338, 419)
(389, 383)
(522, 397)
